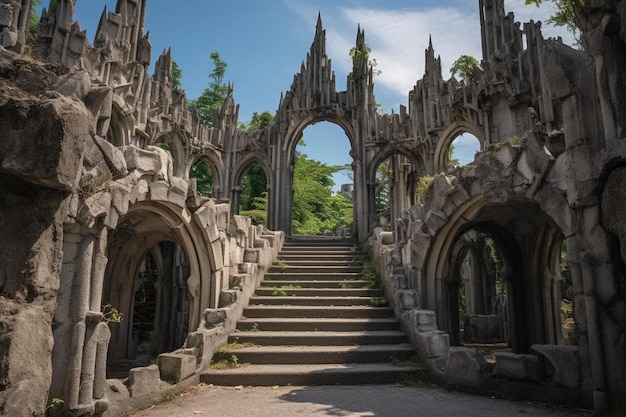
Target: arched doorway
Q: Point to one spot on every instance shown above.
(529, 243)
(462, 150)
(322, 182)
(159, 278)
(253, 195)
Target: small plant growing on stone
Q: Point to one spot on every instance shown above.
(111, 314)
(234, 361)
(280, 264)
(279, 292)
(54, 403)
(255, 327)
(378, 301)
(424, 186)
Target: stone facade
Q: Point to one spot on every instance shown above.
(94, 214)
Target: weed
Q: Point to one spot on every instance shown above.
(111, 314)
(255, 327)
(234, 346)
(378, 301)
(232, 362)
(281, 291)
(424, 186)
(280, 264)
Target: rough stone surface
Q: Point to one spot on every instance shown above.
(143, 381)
(517, 367)
(466, 367)
(175, 367)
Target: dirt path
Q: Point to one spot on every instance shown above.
(343, 401)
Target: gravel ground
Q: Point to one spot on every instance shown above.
(344, 401)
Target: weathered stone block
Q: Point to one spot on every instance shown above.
(406, 299)
(228, 297)
(517, 366)
(159, 191)
(252, 255)
(562, 363)
(176, 367)
(143, 381)
(214, 318)
(466, 367)
(433, 344)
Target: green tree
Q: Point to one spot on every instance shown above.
(254, 185)
(316, 209)
(453, 160)
(34, 19)
(564, 16)
(366, 52)
(466, 66)
(177, 75)
(260, 121)
(214, 95)
(383, 186)
(204, 178)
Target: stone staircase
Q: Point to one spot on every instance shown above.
(314, 321)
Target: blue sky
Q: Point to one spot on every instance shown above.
(264, 42)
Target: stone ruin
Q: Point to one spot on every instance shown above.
(96, 220)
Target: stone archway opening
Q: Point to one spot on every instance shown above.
(529, 281)
(147, 281)
(159, 316)
(202, 173)
(322, 182)
(477, 293)
(393, 187)
(462, 150)
(253, 195)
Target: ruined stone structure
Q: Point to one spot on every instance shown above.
(93, 214)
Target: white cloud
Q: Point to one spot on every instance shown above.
(399, 37)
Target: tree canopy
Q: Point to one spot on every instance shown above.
(214, 95)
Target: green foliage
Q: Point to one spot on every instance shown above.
(365, 52)
(466, 66)
(254, 185)
(214, 95)
(204, 178)
(177, 75)
(260, 121)
(565, 15)
(34, 20)
(378, 301)
(316, 209)
(111, 314)
(453, 160)
(423, 186)
(383, 186)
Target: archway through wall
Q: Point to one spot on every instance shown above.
(460, 140)
(530, 295)
(462, 149)
(322, 181)
(393, 176)
(202, 173)
(156, 259)
(252, 198)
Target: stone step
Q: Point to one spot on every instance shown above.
(317, 354)
(318, 311)
(312, 276)
(323, 324)
(306, 261)
(319, 374)
(316, 269)
(276, 283)
(311, 301)
(333, 256)
(300, 291)
(284, 338)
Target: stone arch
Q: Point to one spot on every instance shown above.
(331, 116)
(145, 225)
(528, 238)
(447, 137)
(214, 160)
(122, 125)
(239, 171)
(404, 195)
